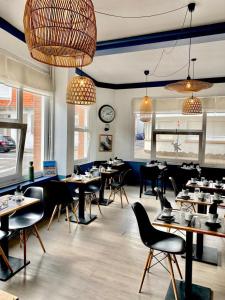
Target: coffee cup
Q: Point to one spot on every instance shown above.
(201, 196)
(216, 196)
(193, 180)
(205, 182)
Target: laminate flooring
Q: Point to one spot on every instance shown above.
(102, 261)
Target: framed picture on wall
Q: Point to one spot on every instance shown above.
(105, 142)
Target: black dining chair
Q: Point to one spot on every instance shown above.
(174, 186)
(117, 186)
(27, 218)
(61, 196)
(165, 242)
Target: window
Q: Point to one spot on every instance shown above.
(142, 142)
(81, 133)
(18, 107)
(176, 137)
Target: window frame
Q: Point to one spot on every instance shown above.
(48, 127)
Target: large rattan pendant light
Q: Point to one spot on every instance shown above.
(189, 85)
(146, 104)
(192, 105)
(81, 90)
(61, 32)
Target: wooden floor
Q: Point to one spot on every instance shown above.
(103, 260)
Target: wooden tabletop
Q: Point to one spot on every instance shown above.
(204, 229)
(211, 186)
(192, 200)
(84, 179)
(108, 172)
(14, 206)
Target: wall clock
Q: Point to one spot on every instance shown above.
(106, 113)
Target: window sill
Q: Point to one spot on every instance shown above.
(24, 184)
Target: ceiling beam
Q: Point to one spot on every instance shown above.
(199, 34)
(140, 85)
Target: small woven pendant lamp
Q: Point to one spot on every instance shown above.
(81, 90)
(61, 32)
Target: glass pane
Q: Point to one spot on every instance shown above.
(177, 147)
(178, 121)
(9, 139)
(142, 144)
(33, 117)
(81, 116)
(8, 102)
(215, 139)
(80, 145)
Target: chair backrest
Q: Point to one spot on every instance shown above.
(123, 177)
(174, 185)
(77, 170)
(145, 227)
(149, 172)
(59, 192)
(35, 192)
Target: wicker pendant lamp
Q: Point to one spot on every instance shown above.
(189, 85)
(81, 90)
(61, 33)
(146, 104)
(192, 105)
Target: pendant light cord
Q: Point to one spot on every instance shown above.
(139, 17)
(189, 50)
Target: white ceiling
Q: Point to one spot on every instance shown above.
(129, 67)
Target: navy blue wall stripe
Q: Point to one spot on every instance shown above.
(204, 30)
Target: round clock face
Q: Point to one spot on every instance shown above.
(106, 113)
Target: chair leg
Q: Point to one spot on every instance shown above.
(121, 197)
(2, 253)
(150, 260)
(24, 246)
(39, 238)
(172, 277)
(89, 206)
(59, 211)
(68, 217)
(178, 267)
(52, 216)
(125, 195)
(74, 212)
(145, 269)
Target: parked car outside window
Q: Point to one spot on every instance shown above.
(7, 143)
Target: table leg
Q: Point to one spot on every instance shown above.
(204, 254)
(82, 217)
(16, 264)
(102, 200)
(187, 290)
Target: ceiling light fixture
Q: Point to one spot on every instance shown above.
(146, 104)
(189, 85)
(192, 105)
(81, 90)
(61, 33)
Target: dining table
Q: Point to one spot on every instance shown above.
(81, 181)
(11, 206)
(211, 187)
(202, 253)
(187, 290)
